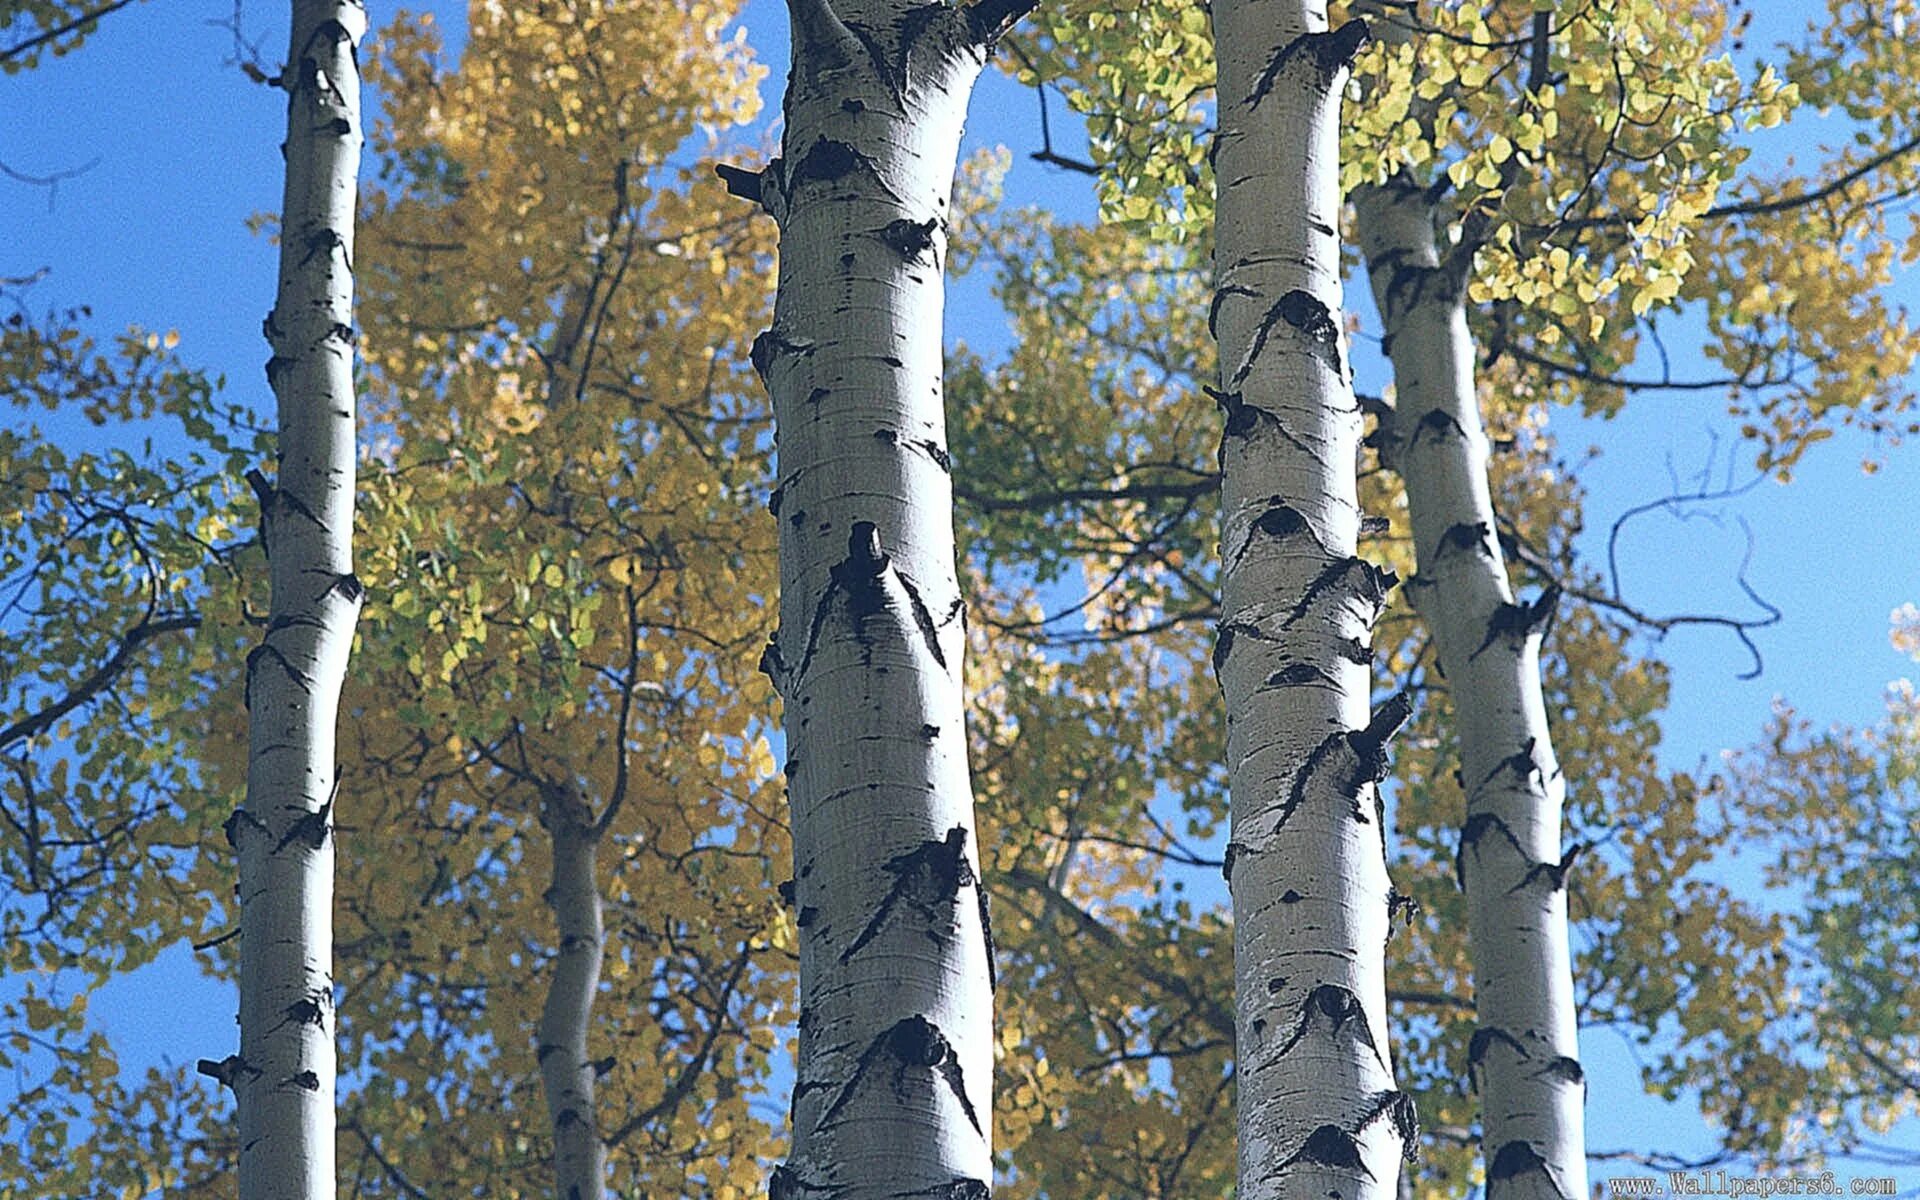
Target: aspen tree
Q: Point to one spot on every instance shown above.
(1525, 1054)
(283, 1076)
(1319, 1112)
(894, 1085)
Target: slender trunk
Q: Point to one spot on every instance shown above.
(560, 1037)
(894, 1081)
(1319, 1113)
(283, 1077)
(1525, 1053)
(566, 1073)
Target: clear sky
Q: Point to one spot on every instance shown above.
(178, 149)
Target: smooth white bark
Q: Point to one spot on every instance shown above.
(1525, 1053)
(283, 1076)
(1319, 1114)
(894, 1081)
(566, 1073)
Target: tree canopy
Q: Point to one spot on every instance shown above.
(566, 461)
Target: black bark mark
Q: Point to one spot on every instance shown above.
(1475, 828)
(1279, 521)
(1375, 583)
(1518, 621)
(228, 1070)
(938, 453)
(1562, 1069)
(1521, 762)
(1370, 744)
(771, 342)
(926, 877)
(258, 655)
(1220, 297)
(1243, 418)
(1369, 750)
(1408, 283)
(1315, 322)
(1298, 792)
(310, 828)
(1518, 1158)
(1330, 52)
(990, 20)
(1299, 674)
(326, 241)
(273, 500)
(923, 620)
(1554, 873)
(1470, 537)
(1308, 317)
(955, 1189)
(858, 576)
(1328, 1146)
(240, 817)
(1436, 422)
(826, 161)
(911, 1042)
(1332, 1146)
(910, 239)
(1482, 1041)
(1341, 1008)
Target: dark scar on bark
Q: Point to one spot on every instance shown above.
(1331, 52)
(911, 1042)
(925, 877)
(1482, 1040)
(1375, 583)
(1520, 620)
(1471, 832)
(1340, 1007)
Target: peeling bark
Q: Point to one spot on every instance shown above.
(1525, 1057)
(283, 1076)
(1319, 1113)
(895, 1063)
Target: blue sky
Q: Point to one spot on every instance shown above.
(183, 149)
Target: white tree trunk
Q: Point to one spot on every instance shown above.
(1525, 1053)
(1319, 1114)
(283, 1077)
(566, 1073)
(894, 1081)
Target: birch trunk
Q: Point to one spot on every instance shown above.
(1319, 1114)
(566, 1073)
(283, 1076)
(893, 1092)
(1525, 1052)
